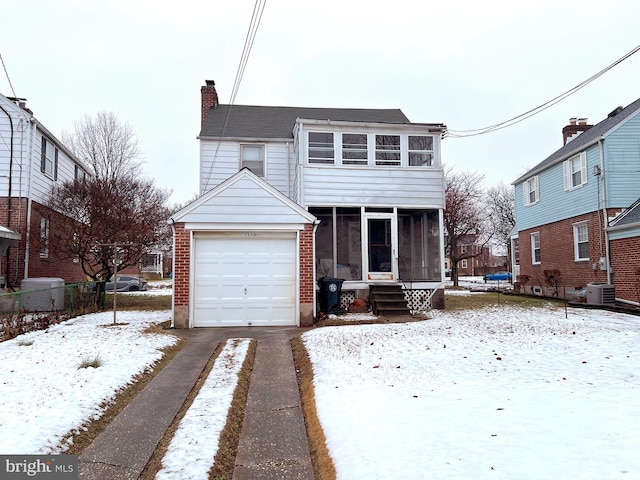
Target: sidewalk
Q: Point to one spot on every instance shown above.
(273, 442)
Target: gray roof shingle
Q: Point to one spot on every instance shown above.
(583, 139)
(629, 216)
(247, 121)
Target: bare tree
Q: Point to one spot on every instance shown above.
(501, 213)
(107, 145)
(101, 218)
(464, 217)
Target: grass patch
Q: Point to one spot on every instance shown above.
(93, 362)
(229, 437)
(139, 302)
(492, 299)
(323, 468)
(89, 431)
(25, 343)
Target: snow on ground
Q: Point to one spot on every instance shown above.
(498, 393)
(43, 393)
(195, 443)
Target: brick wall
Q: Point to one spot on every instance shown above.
(625, 259)
(307, 289)
(181, 274)
(557, 252)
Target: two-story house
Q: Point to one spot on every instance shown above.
(565, 204)
(32, 160)
(289, 195)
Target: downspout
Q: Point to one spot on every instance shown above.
(173, 275)
(604, 214)
(9, 192)
(29, 201)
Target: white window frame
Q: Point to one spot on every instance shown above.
(388, 154)
(321, 147)
(44, 237)
(535, 239)
(579, 238)
(247, 163)
(529, 187)
(571, 168)
(463, 263)
(355, 148)
(424, 156)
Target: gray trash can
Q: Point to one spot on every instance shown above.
(330, 292)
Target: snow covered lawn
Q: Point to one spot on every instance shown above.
(497, 393)
(43, 393)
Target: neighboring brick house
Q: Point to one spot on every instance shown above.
(292, 194)
(565, 203)
(624, 241)
(474, 259)
(32, 160)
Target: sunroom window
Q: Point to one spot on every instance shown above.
(388, 150)
(321, 148)
(420, 151)
(354, 149)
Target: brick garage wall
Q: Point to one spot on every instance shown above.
(181, 274)
(14, 272)
(557, 252)
(307, 289)
(625, 259)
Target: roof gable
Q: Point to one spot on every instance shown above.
(588, 137)
(241, 199)
(251, 121)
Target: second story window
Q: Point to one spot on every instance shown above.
(354, 149)
(420, 151)
(575, 171)
(321, 148)
(252, 157)
(388, 150)
(530, 191)
(79, 174)
(49, 159)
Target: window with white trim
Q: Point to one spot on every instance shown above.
(321, 148)
(420, 150)
(463, 263)
(79, 174)
(44, 237)
(575, 171)
(354, 149)
(581, 241)
(49, 159)
(530, 191)
(535, 248)
(388, 150)
(252, 157)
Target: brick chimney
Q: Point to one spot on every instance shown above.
(576, 127)
(209, 98)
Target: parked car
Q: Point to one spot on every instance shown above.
(502, 276)
(127, 283)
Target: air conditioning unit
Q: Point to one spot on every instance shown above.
(601, 294)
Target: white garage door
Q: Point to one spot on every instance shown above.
(245, 279)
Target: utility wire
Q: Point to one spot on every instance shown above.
(8, 79)
(539, 108)
(256, 17)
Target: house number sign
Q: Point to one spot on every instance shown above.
(250, 234)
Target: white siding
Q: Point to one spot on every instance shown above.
(393, 187)
(221, 160)
(244, 202)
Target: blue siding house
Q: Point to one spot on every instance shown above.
(565, 204)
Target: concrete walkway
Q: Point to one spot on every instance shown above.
(273, 442)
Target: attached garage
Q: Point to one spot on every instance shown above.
(243, 256)
(245, 279)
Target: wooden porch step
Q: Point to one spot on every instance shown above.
(388, 299)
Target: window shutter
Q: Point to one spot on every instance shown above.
(583, 167)
(43, 155)
(55, 166)
(566, 174)
(525, 192)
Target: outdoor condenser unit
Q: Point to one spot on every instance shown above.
(600, 294)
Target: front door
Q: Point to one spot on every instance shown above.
(381, 248)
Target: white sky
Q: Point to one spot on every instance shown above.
(467, 64)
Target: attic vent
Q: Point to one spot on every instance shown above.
(615, 112)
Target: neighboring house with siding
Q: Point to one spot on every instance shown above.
(565, 204)
(624, 241)
(32, 160)
(290, 195)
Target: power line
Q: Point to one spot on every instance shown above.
(539, 108)
(7, 75)
(256, 17)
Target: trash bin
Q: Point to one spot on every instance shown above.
(330, 291)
